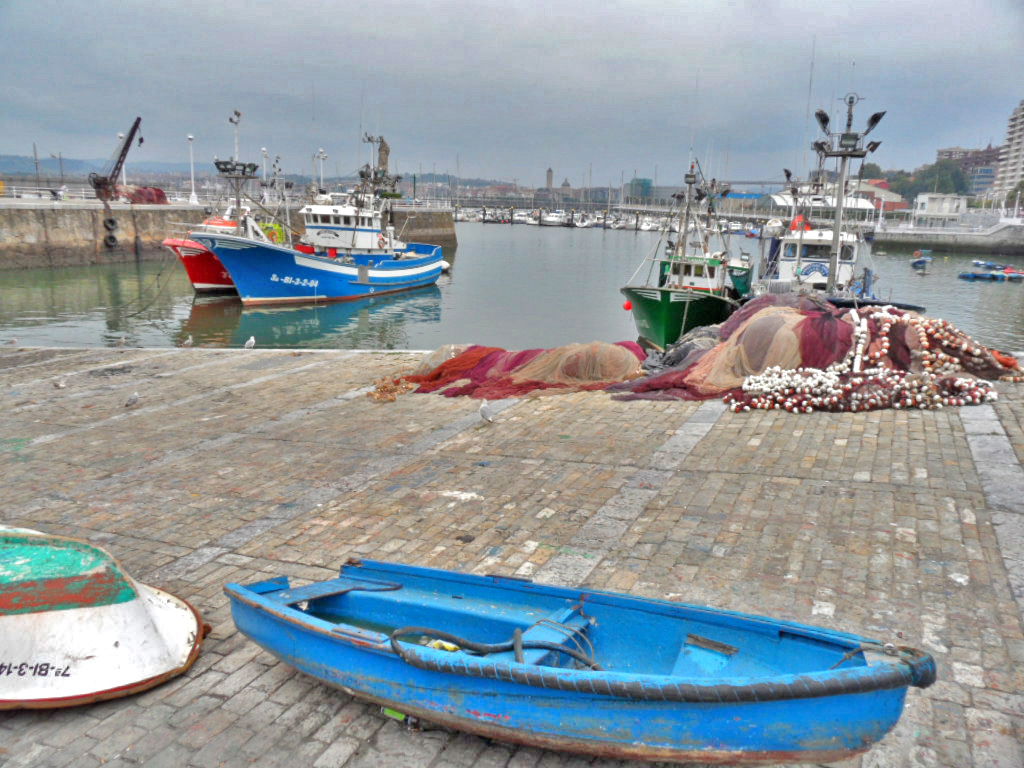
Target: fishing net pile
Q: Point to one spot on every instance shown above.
(495, 373)
(801, 354)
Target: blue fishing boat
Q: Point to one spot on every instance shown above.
(584, 670)
(265, 273)
(347, 251)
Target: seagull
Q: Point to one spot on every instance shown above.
(251, 342)
(132, 400)
(187, 342)
(60, 383)
(486, 412)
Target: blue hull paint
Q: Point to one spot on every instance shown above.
(747, 689)
(267, 274)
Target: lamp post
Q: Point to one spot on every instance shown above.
(192, 199)
(265, 156)
(844, 145)
(235, 119)
(60, 161)
(124, 166)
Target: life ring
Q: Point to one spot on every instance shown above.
(110, 241)
(381, 241)
(110, 223)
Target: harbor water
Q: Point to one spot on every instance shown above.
(515, 286)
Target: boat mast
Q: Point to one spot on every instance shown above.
(684, 225)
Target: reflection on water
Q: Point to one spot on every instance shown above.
(516, 287)
(378, 322)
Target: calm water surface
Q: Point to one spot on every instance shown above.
(510, 286)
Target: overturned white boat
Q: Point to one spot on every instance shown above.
(75, 628)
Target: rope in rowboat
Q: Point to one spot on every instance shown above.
(913, 668)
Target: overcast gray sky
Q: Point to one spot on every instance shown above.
(595, 89)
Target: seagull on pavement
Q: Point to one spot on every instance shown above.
(60, 383)
(187, 342)
(251, 342)
(486, 412)
(132, 400)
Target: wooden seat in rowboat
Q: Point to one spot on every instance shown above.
(332, 588)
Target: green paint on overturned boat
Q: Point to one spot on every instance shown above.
(40, 573)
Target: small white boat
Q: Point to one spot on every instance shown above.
(556, 218)
(75, 628)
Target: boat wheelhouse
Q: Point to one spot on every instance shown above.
(805, 254)
(347, 220)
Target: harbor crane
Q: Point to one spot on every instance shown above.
(105, 184)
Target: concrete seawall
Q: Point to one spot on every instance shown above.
(1003, 239)
(67, 234)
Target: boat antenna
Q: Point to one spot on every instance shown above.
(807, 116)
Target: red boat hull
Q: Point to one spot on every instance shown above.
(202, 265)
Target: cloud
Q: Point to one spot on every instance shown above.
(508, 89)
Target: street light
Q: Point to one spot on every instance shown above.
(192, 199)
(124, 166)
(265, 156)
(60, 161)
(234, 120)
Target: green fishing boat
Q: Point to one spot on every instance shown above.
(686, 284)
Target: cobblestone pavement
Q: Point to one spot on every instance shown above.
(237, 466)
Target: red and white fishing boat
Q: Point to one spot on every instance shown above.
(205, 270)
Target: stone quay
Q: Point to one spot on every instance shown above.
(61, 234)
(236, 465)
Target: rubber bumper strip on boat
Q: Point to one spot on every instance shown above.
(916, 669)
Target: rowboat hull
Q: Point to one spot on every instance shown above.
(265, 273)
(620, 713)
(75, 629)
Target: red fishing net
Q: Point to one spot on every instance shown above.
(495, 373)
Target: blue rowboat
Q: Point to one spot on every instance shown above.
(584, 670)
(265, 273)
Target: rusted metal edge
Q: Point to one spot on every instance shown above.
(615, 750)
(202, 630)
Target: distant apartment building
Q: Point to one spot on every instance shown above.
(1011, 159)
